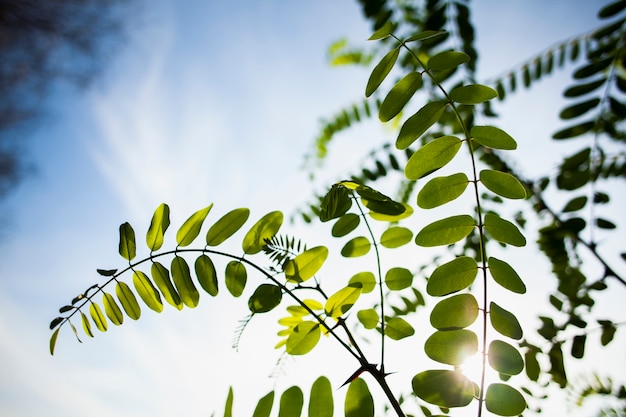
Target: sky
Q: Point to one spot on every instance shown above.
(206, 102)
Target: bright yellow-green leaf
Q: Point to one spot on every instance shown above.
(366, 280)
(342, 301)
(503, 184)
(504, 400)
(447, 60)
(504, 322)
(505, 358)
(159, 224)
(397, 328)
(505, 275)
(206, 274)
(420, 122)
(345, 224)
(398, 278)
(53, 340)
(226, 226)
(303, 338)
(380, 71)
(86, 324)
(236, 277)
(127, 300)
(451, 347)
(265, 298)
(127, 246)
(442, 190)
(446, 231)
(191, 228)
(494, 138)
(321, 399)
(181, 275)
(384, 31)
(456, 312)
(399, 95)
(355, 247)
(161, 277)
(452, 276)
(473, 94)
(408, 211)
(503, 230)
(265, 228)
(443, 388)
(147, 292)
(306, 265)
(112, 310)
(378, 202)
(431, 157)
(396, 236)
(369, 318)
(98, 317)
(359, 401)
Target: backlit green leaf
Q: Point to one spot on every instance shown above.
(342, 301)
(384, 31)
(147, 292)
(86, 324)
(378, 202)
(127, 300)
(98, 317)
(432, 156)
(227, 226)
(427, 34)
(503, 184)
(127, 246)
(359, 401)
(265, 298)
(397, 328)
(53, 340)
(366, 280)
(355, 247)
(321, 399)
(335, 203)
(443, 388)
(291, 402)
(442, 190)
(265, 228)
(369, 318)
(504, 322)
(396, 236)
(189, 294)
(399, 95)
(303, 338)
(503, 230)
(228, 408)
(345, 224)
(206, 274)
(112, 310)
(408, 211)
(473, 94)
(451, 347)
(504, 400)
(398, 278)
(447, 60)
(456, 312)
(420, 122)
(446, 231)
(381, 70)
(161, 277)
(505, 358)
(236, 278)
(264, 406)
(492, 137)
(506, 276)
(306, 265)
(191, 228)
(158, 225)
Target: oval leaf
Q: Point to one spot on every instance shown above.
(398, 278)
(191, 228)
(98, 317)
(161, 277)
(236, 278)
(158, 225)
(494, 138)
(473, 94)
(380, 71)
(306, 265)
(505, 358)
(504, 322)
(86, 324)
(420, 122)
(503, 184)
(127, 246)
(504, 400)
(451, 347)
(206, 274)
(321, 399)
(264, 406)
(456, 312)
(443, 388)
(445, 231)
(503, 230)
(345, 224)
(452, 276)
(112, 310)
(369, 318)
(442, 190)
(128, 300)
(399, 95)
(303, 338)
(336, 202)
(265, 298)
(359, 401)
(396, 236)
(447, 60)
(397, 328)
(366, 280)
(189, 294)
(291, 402)
(506, 276)
(147, 292)
(431, 157)
(342, 301)
(227, 226)
(265, 228)
(356, 247)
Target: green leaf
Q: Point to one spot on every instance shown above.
(575, 204)
(608, 333)
(427, 34)
(381, 70)
(158, 225)
(127, 246)
(432, 156)
(451, 347)
(582, 89)
(443, 388)
(442, 190)
(533, 369)
(574, 131)
(420, 122)
(578, 346)
(359, 401)
(236, 277)
(396, 236)
(503, 184)
(369, 318)
(356, 247)
(578, 109)
(265, 228)
(264, 406)
(408, 211)
(305, 265)
(335, 203)
(504, 322)
(206, 274)
(378, 202)
(227, 226)
(445, 231)
(191, 228)
(189, 294)
(398, 278)
(228, 407)
(503, 230)
(366, 280)
(612, 9)
(127, 300)
(53, 340)
(397, 328)
(345, 224)
(447, 60)
(505, 358)
(98, 317)
(321, 399)
(161, 277)
(493, 138)
(384, 31)
(265, 298)
(506, 276)
(453, 313)
(504, 400)
(106, 272)
(342, 301)
(147, 292)
(303, 338)
(86, 324)
(112, 310)
(473, 94)
(399, 95)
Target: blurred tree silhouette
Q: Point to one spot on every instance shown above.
(44, 44)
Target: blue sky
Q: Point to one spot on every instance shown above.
(207, 102)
